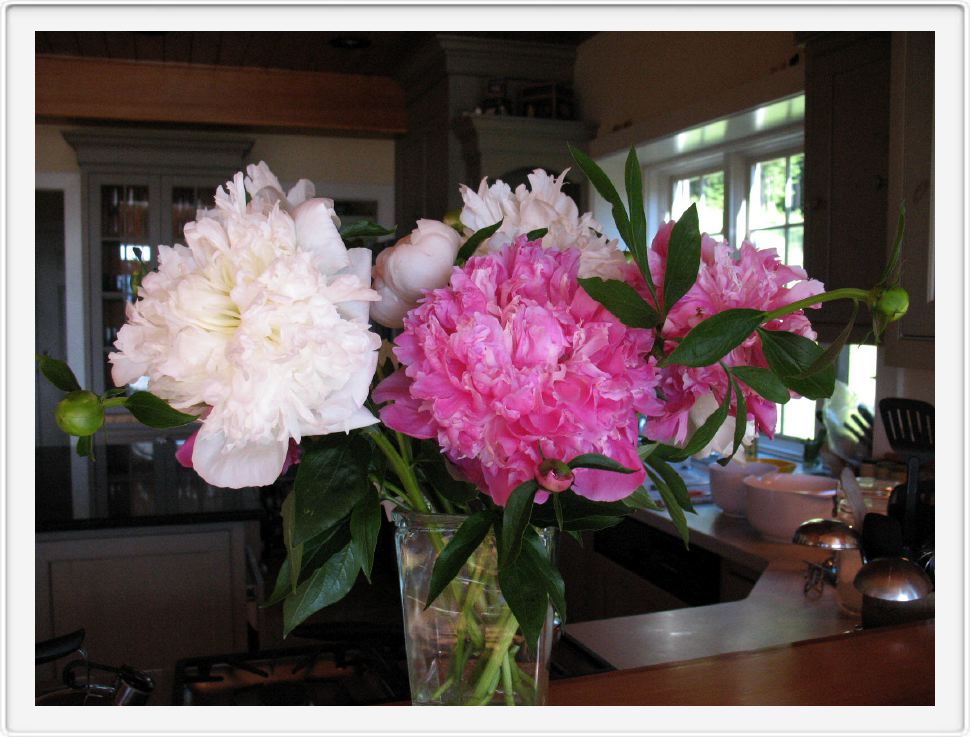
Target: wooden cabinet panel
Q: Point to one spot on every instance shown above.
(846, 166)
(145, 596)
(909, 342)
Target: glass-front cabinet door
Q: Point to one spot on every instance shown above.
(135, 472)
(182, 198)
(139, 190)
(125, 226)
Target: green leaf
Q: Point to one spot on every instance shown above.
(557, 508)
(622, 300)
(57, 373)
(466, 540)
(673, 482)
(294, 553)
(638, 218)
(85, 447)
(518, 509)
(648, 449)
(676, 514)
(328, 585)
(599, 462)
(607, 191)
(282, 587)
(704, 434)
(534, 235)
(709, 341)
(831, 354)
(364, 229)
(365, 525)
(535, 557)
(315, 553)
(320, 549)
(740, 419)
(431, 465)
(119, 391)
(578, 511)
(591, 523)
(789, 355)
(890, 274)
(683, 259)
(764, 382)
(331, 479)
(475, 240)
(640, 499)
(154, 412)
(528, 602)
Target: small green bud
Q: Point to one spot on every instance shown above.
(892, 303)
(453, 218)
(80, 413)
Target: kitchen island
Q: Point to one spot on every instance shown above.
(774, 646)
(892, 666)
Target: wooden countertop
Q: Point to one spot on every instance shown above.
(889, 665)
(776, 612)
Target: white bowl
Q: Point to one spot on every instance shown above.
(727, 484)
(777, 503)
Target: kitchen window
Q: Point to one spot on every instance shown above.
(745, 173)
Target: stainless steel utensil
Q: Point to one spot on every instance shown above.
(893, 579)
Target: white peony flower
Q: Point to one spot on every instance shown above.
(259, 325)
(541, 205)
(420, 261)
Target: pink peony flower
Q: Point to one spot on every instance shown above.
(512, 355)
(727, 279)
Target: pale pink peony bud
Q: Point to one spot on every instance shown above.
(418, 262)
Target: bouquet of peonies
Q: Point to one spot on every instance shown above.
(541, 379)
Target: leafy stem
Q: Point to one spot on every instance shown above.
(846, 293)
(404, 471)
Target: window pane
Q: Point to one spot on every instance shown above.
(768, 195)
(707, 190)
(862, 373)
(774, 238)
(796, 177)
(796, 248)
(797, 419)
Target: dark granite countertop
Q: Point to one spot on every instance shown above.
(136, 485)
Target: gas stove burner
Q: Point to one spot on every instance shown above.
(328, 674)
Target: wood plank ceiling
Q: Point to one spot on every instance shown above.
(308, 51)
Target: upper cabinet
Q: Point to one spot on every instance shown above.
(139, 192)
(910, 342)
(847, 83)
(869, 120)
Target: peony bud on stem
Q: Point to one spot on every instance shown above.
(554, 476)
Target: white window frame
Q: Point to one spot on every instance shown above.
(734, 158)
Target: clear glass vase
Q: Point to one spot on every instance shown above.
(466, 648)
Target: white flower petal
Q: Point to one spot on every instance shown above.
(245, 464)
(316, 231)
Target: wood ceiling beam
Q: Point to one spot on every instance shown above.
(80, 88)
